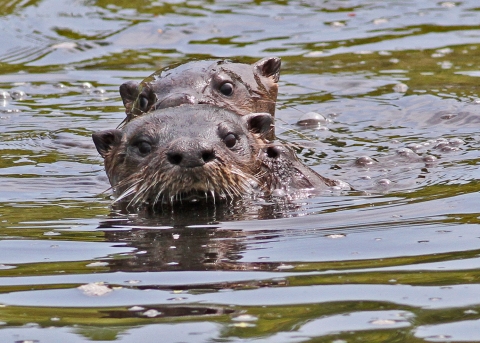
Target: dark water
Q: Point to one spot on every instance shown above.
(396, 261)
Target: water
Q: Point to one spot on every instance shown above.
(397, 260)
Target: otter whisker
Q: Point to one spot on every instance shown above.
(129, 191)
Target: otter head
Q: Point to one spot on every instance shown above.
(241, 88)
(186, 152)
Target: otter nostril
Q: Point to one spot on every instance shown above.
(272, 152)
(174, 158)
(208, 156)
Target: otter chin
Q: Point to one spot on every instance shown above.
(190, 152)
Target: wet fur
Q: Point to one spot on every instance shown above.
(198, 82)
(234, 172)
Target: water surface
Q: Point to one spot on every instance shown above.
(395, 261)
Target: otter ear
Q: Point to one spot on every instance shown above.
(106, 140)
(259, 122)
(129, 93)
(268, 67)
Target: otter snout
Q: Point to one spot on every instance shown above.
(187, 153)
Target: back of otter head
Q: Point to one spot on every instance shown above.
(183, 153)
(241, 88)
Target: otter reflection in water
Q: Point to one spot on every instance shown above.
(200, 152)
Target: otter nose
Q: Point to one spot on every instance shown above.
(190, 153)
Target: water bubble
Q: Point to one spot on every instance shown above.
(95, 289)
(406, 152)
(400, 88)
(18, 95)
(363, 161)
(4, 95)
(441, 145)
(51, 233)
(429, 142)
(429, 158)
(151, 313)
(449, 148)
(86, 85)
(384, 182)
(414, 146)
(99, 91)
(456, 142)
(312, 119)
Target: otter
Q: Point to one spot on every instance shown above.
(285, 172)
(241, 88)
(199, 152)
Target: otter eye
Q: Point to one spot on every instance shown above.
(226, 88)
(144, 147)
(230, 140)
(143, 103)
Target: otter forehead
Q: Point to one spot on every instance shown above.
(200, 121)
(193, 75)
(199, 74)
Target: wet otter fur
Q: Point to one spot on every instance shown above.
(238, 87)
(199, 152)
(284, 171)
